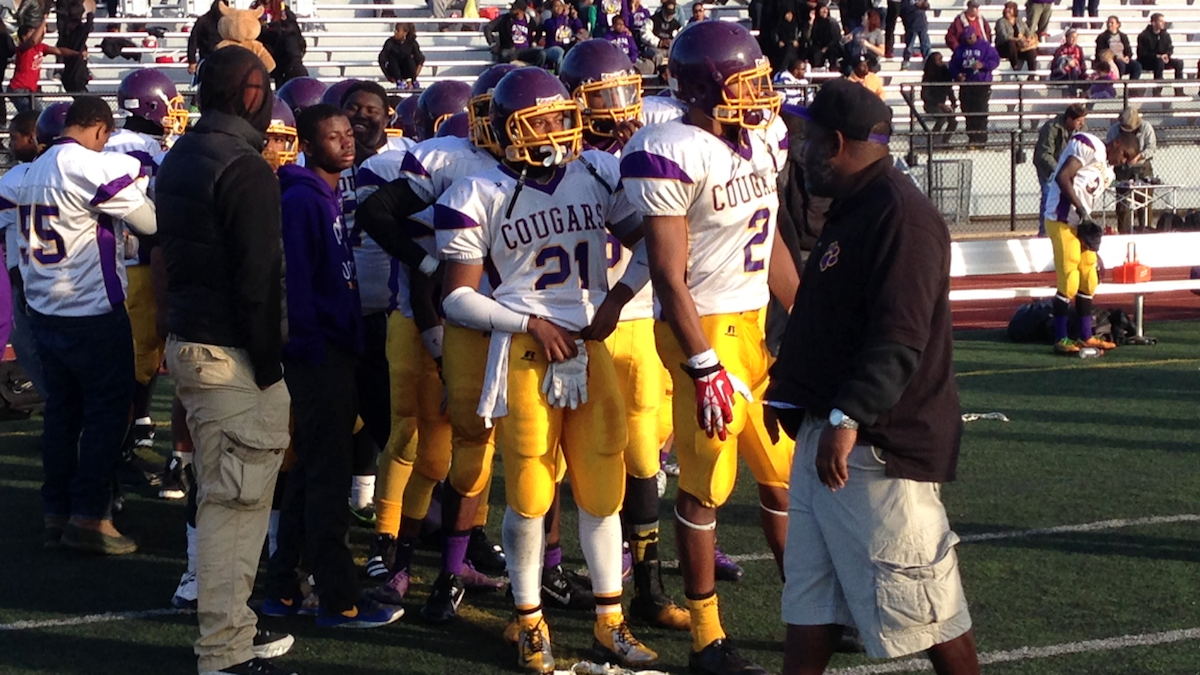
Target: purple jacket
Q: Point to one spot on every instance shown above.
(963, 61)
(626, 42)
(560, 31)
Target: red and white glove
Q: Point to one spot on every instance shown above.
(715, 389)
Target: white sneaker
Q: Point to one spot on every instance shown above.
(186, 592)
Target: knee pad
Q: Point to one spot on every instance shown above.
(417, 496)
(471, 469)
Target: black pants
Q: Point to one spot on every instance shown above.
(1016, 57)
(975, 100)
(374, 393)
(533, 56)
(943, 117)
(1158, 68)
(893, 13)
(324, 404)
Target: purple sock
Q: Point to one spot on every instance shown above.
(1085, 327)
(454, 551)
(1060, 327)
(553, 557)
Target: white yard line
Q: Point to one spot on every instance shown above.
(107, 617)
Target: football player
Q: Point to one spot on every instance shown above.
(542, 219)
(707, 189)
(609, 91)
(1082, 175)
(153, 113)
(73, 204)
(281, 147)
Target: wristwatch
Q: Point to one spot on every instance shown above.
(840, 420)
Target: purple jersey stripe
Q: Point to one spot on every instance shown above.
(6, 205)
(111, 189)
(368, 178)
(106, 241)
(393, 284)
(446, 218)
(642, 164)
(149, 166)
(411, 164)
(1083, 139)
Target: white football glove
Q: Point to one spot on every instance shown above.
(565, 384)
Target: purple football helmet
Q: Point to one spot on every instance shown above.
(333, 95)
(528, 93)
(604, 83)
(404, 118)
(151, 95)
(458, 125)
(438, 103)
(51, 122)
(300, 93)
(481, 101)
(718, 67)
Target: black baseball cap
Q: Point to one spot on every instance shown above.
(848, 107)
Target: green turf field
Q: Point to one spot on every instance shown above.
(1089, 441)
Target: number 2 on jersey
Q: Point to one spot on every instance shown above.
(559, 254)
(758, 225)
(50, 247)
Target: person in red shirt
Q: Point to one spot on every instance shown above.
(30, 51)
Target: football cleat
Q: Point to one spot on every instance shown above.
(485, 555)
(478, 582)
(255, 666)
(1098, 343)
(186, 593)
(392, 591)
(533, 649)
(721, 658)
(365, 517)
(381, 556)
(660, 611)
(1066, 347)
(512, 631)
(444, 599)
(726, 568)
(615, 643)
(176, 480)
(566, 590)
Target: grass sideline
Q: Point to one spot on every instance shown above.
(1089, 440)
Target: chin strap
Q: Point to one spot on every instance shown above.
(512, 203)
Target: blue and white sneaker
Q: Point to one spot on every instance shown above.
(366, 614)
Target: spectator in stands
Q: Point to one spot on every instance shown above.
(937, 93)
(893, 13)
(511, 40)
(1052, 139)
(699, 12)
(1038, 12)
(620, 36)
(606, 11)
(793, 82)
(868, 38)
(853, 13)
(1155, 51)
(1117, 42)
(1091, 6)
(561, 31)
(639, 25)
(1067, 64)
(8, 49)
(664, 26)
(75, 24)
(973, 63)
(1104, 73)
(586, 10)
(824, 41)
(916, 27)
(282, 37)
(1131, 124)
(401, 59)
(861, 73)
(970, 18)
(785, 41)
(31, 49)
(1015, 40)
(440, 9)
(204, 37)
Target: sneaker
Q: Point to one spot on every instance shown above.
(268, 645)
(94, 541)
(1098, 343)
(381, 557)
(254, 666)
(444, 599)
(392, 591)
(478, 582)
(660, 611)
(176, 480)
(671, 469)
(365, 517)
(614, 643)
(485, 555)
(721, 658)
(533, 649)
(186, 592)
(283, 607)
(564, 590)
(660, 482)
(366, 614)
(727, 569)
(1066, 347)
(142, 435)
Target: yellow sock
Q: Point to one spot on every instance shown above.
(481, 514)
(389, 494)
(706, 622)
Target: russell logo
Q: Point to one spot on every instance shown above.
(831, 256)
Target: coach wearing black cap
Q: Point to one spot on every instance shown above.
(865, 384)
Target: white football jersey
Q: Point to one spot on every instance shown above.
(70, 205)
(433, 165)
(549, 245)
(420, 228)
(1090, 181)
(728, 195)
(16, 247)
(372, 262)
(148, 151)
(659, 109)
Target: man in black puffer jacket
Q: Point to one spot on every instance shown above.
(219, 221)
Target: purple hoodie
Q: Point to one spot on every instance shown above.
(322, 285)
(966, 55)
(626, 42)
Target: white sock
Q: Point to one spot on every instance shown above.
(191, 549)
(273, 532)
(185, 458)
(143, 421)
(600, 539)
(362, 491)
(523, 542)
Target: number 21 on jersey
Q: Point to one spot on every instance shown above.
(49, 248)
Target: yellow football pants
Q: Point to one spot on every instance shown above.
(640, 378)
(1074, 267)
(148, 347)
(464, 362)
